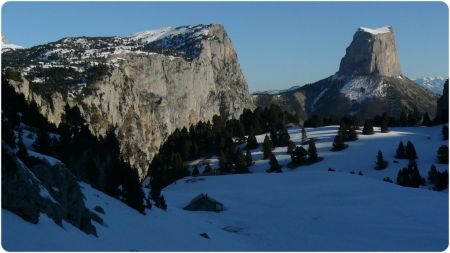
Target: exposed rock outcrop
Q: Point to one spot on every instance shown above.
(372, 52)
(43, 188)
(155, 82)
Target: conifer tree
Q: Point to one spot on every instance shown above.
(274, 137)
(445, 132)
(240, 162)
(368, 128)
(161, 203)
(356, 122)
(410, 151)
(43, 142)
(410, 176)
(426, 120)
(267, 147)
(304, 136)
(381, 163)
(351, 134)
(207, 169)
(312, 151)
(343, 130)
(8, 132)
(299, 155)
(251, 140)
(441, 181)
(415, 177)
(248, 157)
(442, 154)
(283, 137)
(132, 189)
(274, 165)
(223, 162)
(195, 171)
(290, 147)
(384, 127)
(432, 174)
(401, 152)
(194, 150)
(22, 153)
(338, 143)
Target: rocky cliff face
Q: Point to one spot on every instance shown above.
(372, 52)
(369, 82)
(145, 85)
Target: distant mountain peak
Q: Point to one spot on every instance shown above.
(432, 83)
(372, 52)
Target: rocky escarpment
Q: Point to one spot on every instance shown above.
(369, 82)
(144, 86)
(44, 189)
(372, 51)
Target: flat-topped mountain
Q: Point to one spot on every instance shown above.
(369, 82)
(372, 51)
(145, 85)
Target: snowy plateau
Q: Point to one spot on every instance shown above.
(307, 208)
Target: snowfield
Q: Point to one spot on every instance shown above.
(303, 209)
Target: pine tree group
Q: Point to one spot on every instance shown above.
(406, 153)
(439, 179)
(299, 155)
(410, 176)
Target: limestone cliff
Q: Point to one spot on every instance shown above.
(372, 51)
(145, 85)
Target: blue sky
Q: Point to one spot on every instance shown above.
(279, 44)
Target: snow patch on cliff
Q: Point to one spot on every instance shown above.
(364, 87)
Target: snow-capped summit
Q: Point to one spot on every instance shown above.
(433, 83)
(384, 29)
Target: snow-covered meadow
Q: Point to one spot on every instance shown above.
(303, 209)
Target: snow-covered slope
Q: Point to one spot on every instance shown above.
(433, 83)
(304, 209)
(276, 92)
